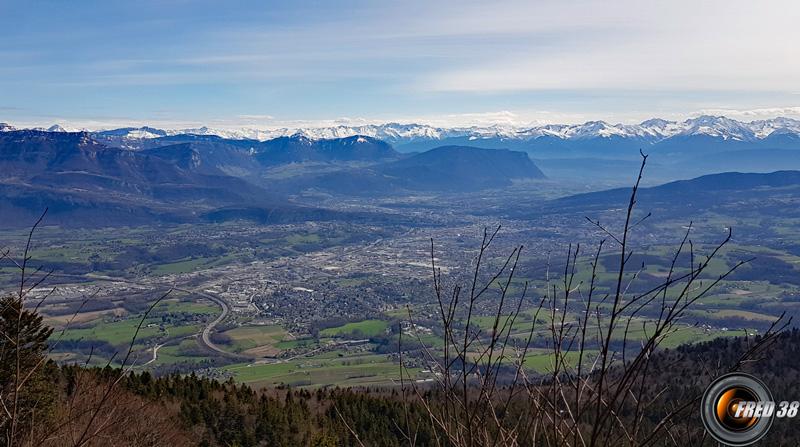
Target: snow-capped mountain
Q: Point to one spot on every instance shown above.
(719, 127)
(133, 133)
(764, 128)
(595, 150)
(650, 131)
(390, 132)
(56, 128)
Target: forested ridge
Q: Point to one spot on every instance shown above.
(180, 409)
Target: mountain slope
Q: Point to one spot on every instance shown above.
(298, 149)
(464, 168)
(84, 182)
(444, 169)
(273, 152)
(732, 193)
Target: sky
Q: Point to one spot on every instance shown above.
(269, 64)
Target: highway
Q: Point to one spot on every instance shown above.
(205, 335)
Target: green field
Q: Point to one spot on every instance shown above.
(116, 333)
(303, 239)
(190, 307)
(728, 313)
(366, 328)
(291, 344)
(187, 351)
(543, 363)
(183, 266)
(322, 370)
(172, 323)
(120, 333)
(246, 338)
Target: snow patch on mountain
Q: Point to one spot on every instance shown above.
(56, 128)
(718, 126)
(651, 131)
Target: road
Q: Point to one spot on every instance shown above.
(308, 353)
(155, 354)
(205, 335)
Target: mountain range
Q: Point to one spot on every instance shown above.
(82, 180)
(651, 131)
(775, 194)
(594, 151)
(137, 175)
(66, 172)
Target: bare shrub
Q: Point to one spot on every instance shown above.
(600, 341)
(94, 410)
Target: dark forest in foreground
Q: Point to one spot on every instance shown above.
(188, 410)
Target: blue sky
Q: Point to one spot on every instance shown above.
(271, 64)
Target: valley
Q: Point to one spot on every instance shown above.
(390, 224)
(306, 260)
(322, 303)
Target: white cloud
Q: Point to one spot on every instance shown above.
(677, 45)
(752, 114)
(445, 63)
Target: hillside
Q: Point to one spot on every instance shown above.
(84, 182)
(191, 409)
(740, 194)
(443, 169)
(298, 149)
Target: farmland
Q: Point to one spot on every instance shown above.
(327, 303)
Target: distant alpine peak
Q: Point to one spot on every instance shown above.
(719, 126)
(651, 130)
(56, 128)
